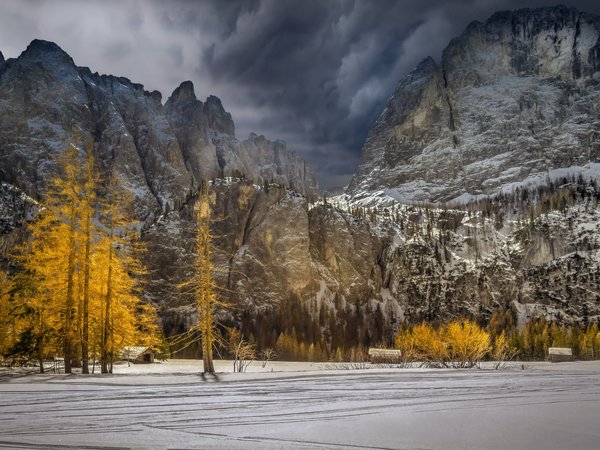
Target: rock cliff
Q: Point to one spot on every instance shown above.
(158, 152)
(513, 102)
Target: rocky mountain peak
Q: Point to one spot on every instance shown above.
(156, 96)
(1, 58)
(159, 153)
(510, 104)
(42, 50)
(552, 41)
(416, 78)
(218, 118)
(427, 65)
(183, 93)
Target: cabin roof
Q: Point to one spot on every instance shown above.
(132, 352)
(560, 351)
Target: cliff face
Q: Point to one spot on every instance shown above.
(513, 102)
(158, 152)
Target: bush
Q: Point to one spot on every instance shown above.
(460, 343)
(467, 343)
(422, 343)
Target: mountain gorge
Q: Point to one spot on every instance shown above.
(476, 189)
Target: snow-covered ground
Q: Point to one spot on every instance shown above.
(299, 405)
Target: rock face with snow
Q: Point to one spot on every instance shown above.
(157, 152)
(160, 154)
(513, 100)
(16, 207)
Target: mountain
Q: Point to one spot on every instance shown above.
(157, 151)
(502, 125)
(500, 144)
(512, 103)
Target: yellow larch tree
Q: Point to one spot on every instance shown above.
(467, 342)
(41, 286)
(118, 318)
(78, 284)
(88, 201)
(205, 289)
(64, 200)
(123, 317)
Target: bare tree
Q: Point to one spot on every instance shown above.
(268, 354)
(242, 351)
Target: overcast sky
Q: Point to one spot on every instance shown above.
(313, 73)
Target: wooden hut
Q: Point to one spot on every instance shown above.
(138, 355)
(558, 354)
(385, 355)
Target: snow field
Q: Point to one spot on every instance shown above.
(300, 405)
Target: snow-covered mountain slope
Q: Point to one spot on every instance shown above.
(535, 251)
(513, 100)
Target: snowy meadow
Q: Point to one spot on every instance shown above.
(304, 405)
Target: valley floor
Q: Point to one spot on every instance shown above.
(303, 405)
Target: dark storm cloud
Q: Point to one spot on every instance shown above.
(314, 73)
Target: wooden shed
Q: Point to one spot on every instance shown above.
(385, 355)
(558, 354)
(138, 355)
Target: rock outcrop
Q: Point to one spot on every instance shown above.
(158, 152)
(513, 102)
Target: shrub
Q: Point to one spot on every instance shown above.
(466, 341)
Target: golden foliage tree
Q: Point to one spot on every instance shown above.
(88, 201)
(422, 343)
(123, 318)
(205, 289)
(467, 342)
(42, 285)
(460, 343)
(77, 287)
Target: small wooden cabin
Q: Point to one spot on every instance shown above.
(559, 354)
(385, 355)
(138, 355)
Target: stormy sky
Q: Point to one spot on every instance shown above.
(313, 73)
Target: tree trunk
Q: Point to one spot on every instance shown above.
(104, 358)
(69, 304)
(94, 358)
(111, 354)
(205, 294)
(41, 349)
(86, 296)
